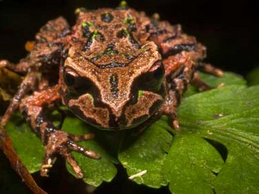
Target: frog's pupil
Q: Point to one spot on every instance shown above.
(69, 80)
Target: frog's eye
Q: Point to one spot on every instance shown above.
(152, 80)
(70, 76)
(69, 79)
(83, 85)
(77, 85)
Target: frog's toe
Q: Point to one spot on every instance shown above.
(59, 142)
(3, 63)
(75, 147)
(46, 165)
(176, 125)
(83, 137)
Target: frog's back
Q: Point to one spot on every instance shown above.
(106, 35)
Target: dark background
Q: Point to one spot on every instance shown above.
(229, 29)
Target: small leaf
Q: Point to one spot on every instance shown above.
(240, 173)
(191, 165)
(95, 170)
(229, 115)
(253, 77)
(4, 95)
(9, 80)
(146, 153)
(26, 144)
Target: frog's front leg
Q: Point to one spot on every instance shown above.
(199, 84)
(208, 68)
(55, 141)
(27, 84)
(20, 68)
(179, 70)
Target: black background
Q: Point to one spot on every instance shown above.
(229, 29)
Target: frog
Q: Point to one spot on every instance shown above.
(115, 69)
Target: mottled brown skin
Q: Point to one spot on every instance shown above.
(115, 68)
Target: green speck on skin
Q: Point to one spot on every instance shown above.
(89, 24)
(77, 11)
(127, 32)
(112, 78)
(143, 49)
(92, 98)
(95, 33)
(140, 93)
(128, 20)
(84, 24)
(123, 4)
(131, 21)
(80, 9)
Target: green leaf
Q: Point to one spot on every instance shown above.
(229, 78)
(191, 165)
(229, 115)
(214, 81)
(9, 80)
(4, 95)
(95, 170)
(187, 159)
(144, 156)
(240, 173)
(26, 144)
(253, 77)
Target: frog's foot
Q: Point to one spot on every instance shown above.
(60, 142)
(3, 63)
(199, 84)
(208, 68)
(20, 68)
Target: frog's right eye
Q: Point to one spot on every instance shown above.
(70, 76)
(69, 79)
(77, 84)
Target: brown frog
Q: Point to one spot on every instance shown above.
(115, 69)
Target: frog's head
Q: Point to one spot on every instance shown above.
(115, 95)
(113, 76)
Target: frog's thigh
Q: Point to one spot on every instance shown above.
(27, 84)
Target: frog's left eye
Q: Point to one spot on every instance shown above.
(152, 80)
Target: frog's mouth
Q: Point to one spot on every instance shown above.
(105, 118)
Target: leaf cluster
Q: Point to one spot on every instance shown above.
(216, 150)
